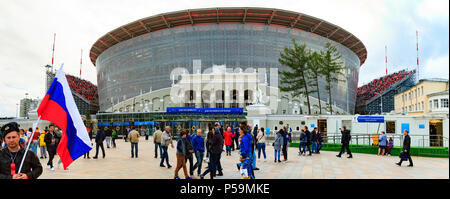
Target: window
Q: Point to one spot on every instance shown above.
(444, 103)
(418, 91)
(430, 106)
(422, 90)
(415, 108)
(422, 107)
(436, 103)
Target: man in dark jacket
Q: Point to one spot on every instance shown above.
(216, 150)
(51, 141)
(99, 138)
(345, 140)
(406, 149)
(314, 140)
(308, 141)
(12, 155)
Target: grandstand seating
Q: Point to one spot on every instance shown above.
(378, 86)
(84, 88)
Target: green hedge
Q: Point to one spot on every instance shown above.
(441, 152)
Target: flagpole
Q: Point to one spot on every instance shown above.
(29, 142)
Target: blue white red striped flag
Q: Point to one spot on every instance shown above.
(58, 106)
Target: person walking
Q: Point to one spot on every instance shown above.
(209, 139)
(166, 140)
(228, 137)
(246, 147)
(405, 154)
(382, 144)
(182, 150)
(277, 145)
(198, 143)
(42, 146)
(261, 143)
(11, 156)
(157, 141)
(308, 140)
(134, 140)
(51, 141)
(190, 151)
(319, 141)
(34, 140)
(302, 145)
(345, 140)
(314, 140)
(90, 138)
(113, 138)
(390, 146)
(217, 149)
(108, 135)
(99, 138)
(236, 137)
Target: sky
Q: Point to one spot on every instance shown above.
(27, 28)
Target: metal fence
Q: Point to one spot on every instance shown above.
(364, 140)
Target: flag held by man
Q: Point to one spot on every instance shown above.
(58, 106)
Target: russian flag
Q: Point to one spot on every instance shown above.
(58, 106)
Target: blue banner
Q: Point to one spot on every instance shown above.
(144, 123)
(103, 124)
(203, 110)
(371, 119)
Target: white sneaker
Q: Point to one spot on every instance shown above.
(48, 167)
(53, 169)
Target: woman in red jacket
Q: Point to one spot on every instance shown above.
(228, 136)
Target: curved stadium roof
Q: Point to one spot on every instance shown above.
(243, 15)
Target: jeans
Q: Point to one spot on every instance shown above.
(33, 146)
(277, 154)
(319, 146)
(302, 147)
(158, 145)
(134, 149)
(165, 156)
(108, 141)
(314, 147)
(114, 142)
(43, 151)
(228, 149)
(199, 156)
(261, 146)
(96, 149)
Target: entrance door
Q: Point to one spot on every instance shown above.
(322, 126)
(390, 127)
(436, 133)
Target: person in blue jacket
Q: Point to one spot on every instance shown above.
(198, 142)
(246, 144)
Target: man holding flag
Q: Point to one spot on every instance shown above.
(58, 107)
(11, 156)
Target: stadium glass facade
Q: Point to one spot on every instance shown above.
(137, 65)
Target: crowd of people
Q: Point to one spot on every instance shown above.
(84, 88)
(380, 85)
(242, 138)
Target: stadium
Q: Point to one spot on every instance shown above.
(134, 61)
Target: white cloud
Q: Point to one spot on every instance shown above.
(435, 67)
(434, 10)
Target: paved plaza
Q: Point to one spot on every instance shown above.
(118, 164)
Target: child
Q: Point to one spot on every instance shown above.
(390, 146)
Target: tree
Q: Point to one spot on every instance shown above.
(314, 69)
(295, 79)
(332, 68)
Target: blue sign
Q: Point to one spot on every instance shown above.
(405, 126)
(121, 124)
(371, 119)
(312, 125)
(203, 110)
(103, 124)
(421, 126)
(144, 123)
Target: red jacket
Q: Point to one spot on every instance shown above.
(228, 137)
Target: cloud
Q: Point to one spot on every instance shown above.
(435, 67)
(434, 10)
